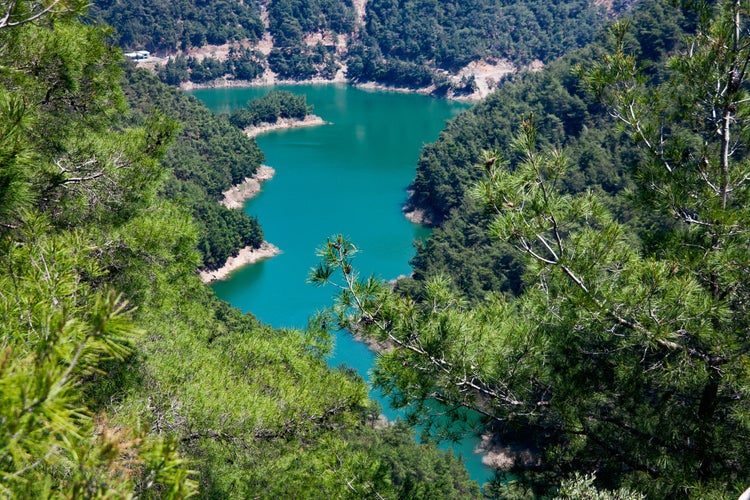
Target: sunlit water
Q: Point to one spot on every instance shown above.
(350, 177)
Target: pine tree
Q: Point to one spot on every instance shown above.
(66, 181)
(626, 354)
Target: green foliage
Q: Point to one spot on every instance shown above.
(262, 414)
(245, 64)
(271, 107)
(225, 232)
(291, 20)
(116, 363)
(404, 43)
(17, 158)
(211, 152)
(566, 116)
(175, 71)
(622, 356)
(163, 26)
(206, 69)
(19, 13)
(209, 156)
(582, 487)
(408, 44)
(58, 332)
(241, 63)
(68, 200)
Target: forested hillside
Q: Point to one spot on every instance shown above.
(122, 375)
(405, 42)
(566, 116)
(208, 157)
(586, 290)
(410, 44)
(166, 26)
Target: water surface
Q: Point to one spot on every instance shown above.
(349, 176)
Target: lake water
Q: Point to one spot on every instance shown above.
(350, 177)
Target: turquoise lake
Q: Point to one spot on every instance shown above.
(350, 177)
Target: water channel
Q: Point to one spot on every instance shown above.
(350, 177)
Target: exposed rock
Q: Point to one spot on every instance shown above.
(236, 196)
(246, 256)
(502, 456)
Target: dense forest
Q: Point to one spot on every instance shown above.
(121, 374)
(407, 43)
(410, 44)
(208, 157)
(166, 26)
(586, 289)
(566, 116)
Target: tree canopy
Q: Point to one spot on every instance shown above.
(623, 351)
(121, 374)
(277, 104)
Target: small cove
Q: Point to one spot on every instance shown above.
(350, 177)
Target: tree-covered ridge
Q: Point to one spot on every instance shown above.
(168, 26)
(208, 157)
(623, 351)
(402, 37)
(412, 44)
(566, 116)
(291, 22)
(121, 374)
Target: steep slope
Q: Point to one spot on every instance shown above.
(438, 46)
(621, 357)
(566, 116)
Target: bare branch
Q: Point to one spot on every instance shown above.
(5, 21)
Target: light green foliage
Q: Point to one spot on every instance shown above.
(454, 348)
(13, 14)
(582, 488)
(68, 191)
(15, 189)
(58, 333)
(262, 415)
(116, 363)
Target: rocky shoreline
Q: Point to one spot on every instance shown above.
(487, 75)
(285, 123)
(235, 198)
(237, 195)
(244, 257)
(502, 456)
